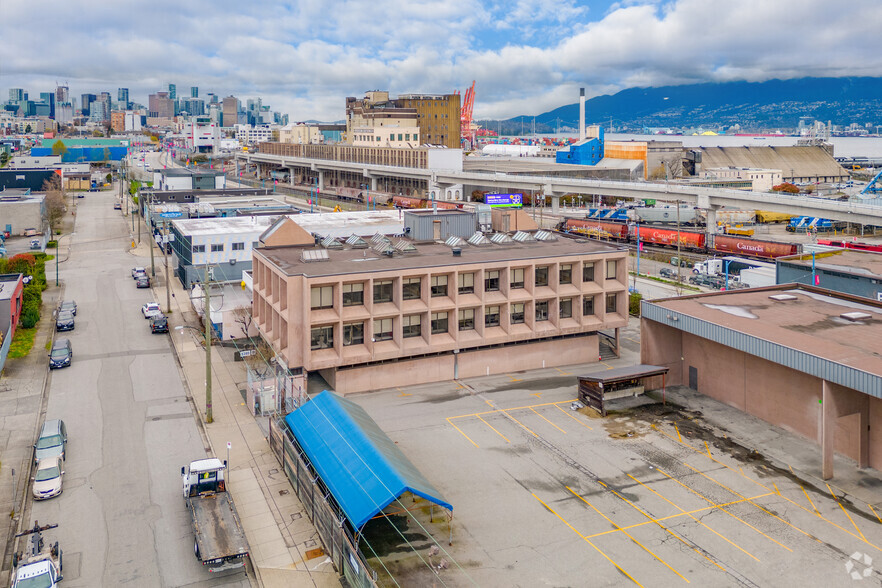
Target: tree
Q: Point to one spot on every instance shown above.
(105, 155)
(97, 133)
(4, 158)
(27, 129)
(59, 148)
(54, 202)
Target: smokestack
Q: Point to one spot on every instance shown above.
(581, 114)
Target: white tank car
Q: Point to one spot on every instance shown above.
(732, 217)
(666, 215)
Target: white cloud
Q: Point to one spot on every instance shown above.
(305, 57)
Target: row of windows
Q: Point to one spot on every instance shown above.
(353, 294)
(322, 337)
(215, 247)
(378, 138)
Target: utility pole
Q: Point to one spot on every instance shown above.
(206, 311)
(152, 243)
(165, 258)
(679, 259)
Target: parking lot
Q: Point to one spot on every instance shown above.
(544, 495)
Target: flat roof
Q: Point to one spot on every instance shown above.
(807, 319)
(335, 224)
(850, 261)
(182, 171)
(355, 261)
(628, 372)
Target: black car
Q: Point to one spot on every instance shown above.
(142, 282)
(68, 305)
(61, 354)
(667, 272)
(159, 324)
(64, 321)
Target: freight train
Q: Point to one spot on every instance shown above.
(689, 240)
(689, 216)
(873, 247)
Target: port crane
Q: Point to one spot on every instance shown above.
(467, 128)
(875, 185)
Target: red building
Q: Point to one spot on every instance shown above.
(11, 294)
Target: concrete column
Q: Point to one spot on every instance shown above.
(555, 199)
(374, 184)
(291, 176)
(321, 180)
(828, 430)
(259, 171)
(711, 220)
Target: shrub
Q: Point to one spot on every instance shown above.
(634, 303)
(786, 187)
(29, 317)
(52, 244)
(23, 263)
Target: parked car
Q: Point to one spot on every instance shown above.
(150, 310)
(69, 305)
(48, 478)
(35, 244)
(117, 206)
(64, 321)
(159, 324)
(667, 272)
(30, 232)
(61, 354)
(138, 271)
(52, 441)
(142, 282)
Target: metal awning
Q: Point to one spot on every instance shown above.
(597, 389)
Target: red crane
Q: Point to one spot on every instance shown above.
(467, 128)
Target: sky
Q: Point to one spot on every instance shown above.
(305, 57)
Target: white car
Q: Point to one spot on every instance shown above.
(47, 478)
(151, 309)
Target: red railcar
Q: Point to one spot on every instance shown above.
(876, 248)
(595, 228)
(753, 247)
(657, 236)
(404, 202)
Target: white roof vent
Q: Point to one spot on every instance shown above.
(314, 255)
(856, 316)
(782, 297)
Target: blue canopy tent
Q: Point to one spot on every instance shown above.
(360, 465)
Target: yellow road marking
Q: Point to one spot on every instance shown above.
(512, 378)
(549, 422)
(845, 511)
(631, 537)
(572, 417)
(702, 496)
(463, 434)
(678, 432)
(494, 429)
(474, 414)
(708, 450)
(609, 367)
(537, 394)
(656, 521)
(526, 428)
(874, 512)
(618, 567)
(563, 372)
(403, 393)
(727, 540)
(778, 492)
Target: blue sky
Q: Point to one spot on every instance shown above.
(527, 56)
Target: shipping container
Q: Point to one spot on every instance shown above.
(733, 217)
(668, 215)
(765, 216)
(596, 228)
(688, 239)
(753, 247)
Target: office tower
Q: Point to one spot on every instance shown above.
(161, 105)
(194, 91)
(172, 92)
(62, 94)
(230, 111)
(49, 98)
(122, 96)
(17, 95)
(86, 101)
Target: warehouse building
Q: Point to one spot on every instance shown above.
(844, 270)
(797, 164)
(797, 356)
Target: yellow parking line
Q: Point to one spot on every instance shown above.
(656, 521)
(678, 432)
(702, 496)
(874, 512)
(572, 417)
(549, 422)
(494, 429)
(845, 511)
(631, 537)
(505, 412)
(618, 567)
(727, 540)
(474, 414)
(563, 372)
(461, 433)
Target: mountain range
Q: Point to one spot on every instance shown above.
(753, 106)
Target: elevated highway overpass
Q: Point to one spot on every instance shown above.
(554, 187)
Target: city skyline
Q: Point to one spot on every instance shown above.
(305, 57)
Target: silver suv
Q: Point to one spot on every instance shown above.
(52, 441)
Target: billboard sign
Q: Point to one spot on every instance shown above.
(504, 200)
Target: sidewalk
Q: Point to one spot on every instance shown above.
(279, 532)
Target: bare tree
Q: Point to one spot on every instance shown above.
(54, 202)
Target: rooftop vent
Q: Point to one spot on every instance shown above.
(331, 243)
(500, 238)
(523, 237)
(454, 241)
(479, 240)
(314, 255)
(782, 297)
(543, 235)
(856, 316)
(356, 242)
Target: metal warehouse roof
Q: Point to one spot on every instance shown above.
(804, 161)
(357, 461)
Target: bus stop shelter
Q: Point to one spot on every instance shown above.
(597, 390)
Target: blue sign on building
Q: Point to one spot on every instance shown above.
(174, 214)
(504, 200)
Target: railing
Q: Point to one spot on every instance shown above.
(329, 523)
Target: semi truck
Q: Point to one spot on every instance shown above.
(220, 540)
(39, 565)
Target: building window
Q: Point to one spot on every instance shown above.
(439, 286)
(517, 278)
(439, 322)
(517, 313)
(198, 248)
(542, 276)
(353, 294)
(491, 316)
(353, 334)
(411, 288)
(565, 309)
(611, 269)
(542, 310)
(216, 247)
(322, 337)
(566, 273)
(238, 246)
(467, 319)
(466, 283)
(587, 305)
(382, 291)
(322, 297)
(412, 326)
(491, 281)
(382, 329)
(588, 272)
(611, 302)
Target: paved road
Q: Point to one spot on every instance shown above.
(121, 517)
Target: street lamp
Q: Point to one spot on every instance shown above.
(58, 253)
(209, 418)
